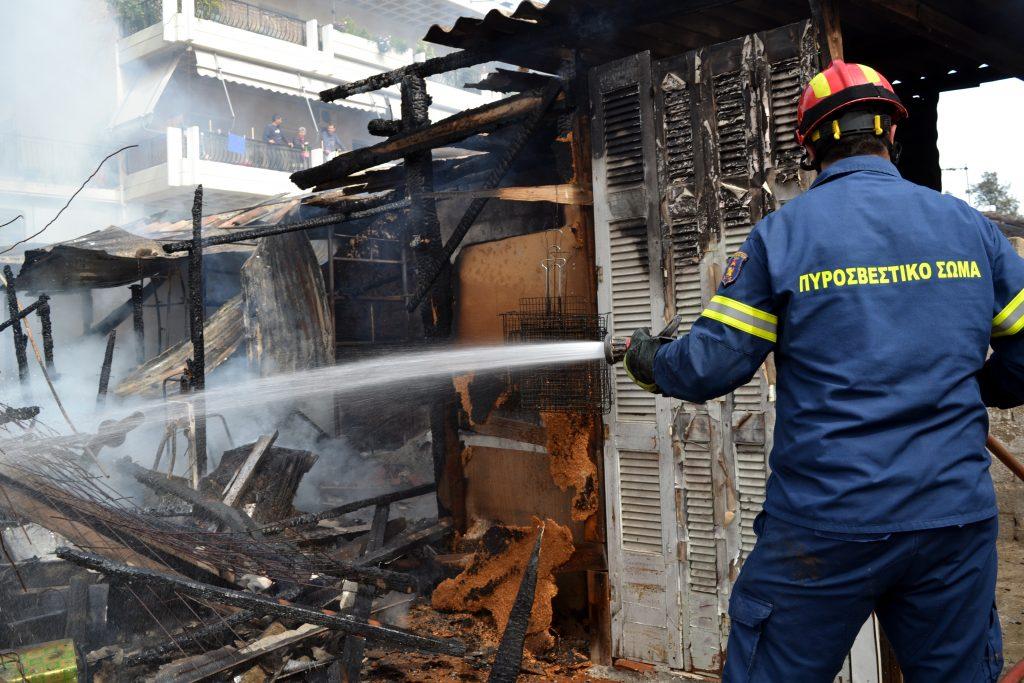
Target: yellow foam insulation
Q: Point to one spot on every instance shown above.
(570, 463)
(491, 581)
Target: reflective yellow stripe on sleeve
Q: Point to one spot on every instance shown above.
(1010, 320)
(742, 317)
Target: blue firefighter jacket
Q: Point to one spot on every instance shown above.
(879, 299)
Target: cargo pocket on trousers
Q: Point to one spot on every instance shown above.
(994, 646)
(747, 616)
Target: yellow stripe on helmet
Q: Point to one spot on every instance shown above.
(870, 74)
(819, 84)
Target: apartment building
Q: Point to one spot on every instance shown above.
(194, 83)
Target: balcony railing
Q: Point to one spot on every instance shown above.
(245, 152)
(54, 162)
(135, 15)
(255, 19)
(150, 152)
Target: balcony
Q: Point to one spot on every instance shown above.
(164, 169)
(48, 167)
(239, 42)
(255, 19)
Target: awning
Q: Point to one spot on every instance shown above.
(214, 65)
(144, 92)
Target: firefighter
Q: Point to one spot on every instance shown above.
(879, 300)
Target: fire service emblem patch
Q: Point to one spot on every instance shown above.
(733, 267)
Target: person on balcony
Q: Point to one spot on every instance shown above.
(302, 143)
(273, 133)
(331, 143)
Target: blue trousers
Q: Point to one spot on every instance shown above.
(802, 596)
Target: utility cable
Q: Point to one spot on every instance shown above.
(4, 225)
(68, 203)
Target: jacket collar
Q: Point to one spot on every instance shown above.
(866, 162)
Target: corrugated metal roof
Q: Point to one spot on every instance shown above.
(119, 255)
(604, 30)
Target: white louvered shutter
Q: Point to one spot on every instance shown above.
(639, 467)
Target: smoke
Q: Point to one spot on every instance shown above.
(57, 64)
(57, 61)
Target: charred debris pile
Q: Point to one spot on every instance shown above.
(229, 579)
(181, 560)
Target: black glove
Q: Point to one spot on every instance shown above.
(639, 359)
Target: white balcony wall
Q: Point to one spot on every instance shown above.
(227, 185)
(328, 57)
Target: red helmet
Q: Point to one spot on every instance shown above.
(838, 88)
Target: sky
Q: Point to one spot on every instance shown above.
(980, 128)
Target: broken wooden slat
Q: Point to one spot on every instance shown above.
(34, 508)
(264, 605)
(240, 482)
(228, 516)
(223, 333)
(313, 518)
(352, 656)
(566, 193)
(195, 637)
(205, 666)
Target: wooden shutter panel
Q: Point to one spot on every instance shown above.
(643, 568)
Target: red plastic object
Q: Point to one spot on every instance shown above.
(1014, 675)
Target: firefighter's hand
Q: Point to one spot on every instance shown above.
(639, 359)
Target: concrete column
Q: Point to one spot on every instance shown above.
(312, 35)
(327, 39)
(174, 156)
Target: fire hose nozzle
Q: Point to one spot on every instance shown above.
(615, 348)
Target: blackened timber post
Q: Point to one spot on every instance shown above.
(425, 235)
(108, 359)
(196, 318)
(138, 323)
(47, 326)
(20, 340)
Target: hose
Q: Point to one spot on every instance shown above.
(1014, 675)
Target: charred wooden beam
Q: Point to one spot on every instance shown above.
(108, 359)
(509, 657)
(313, 518)
(228, 516)
(384, 128)
(121, 313)
(20, 340)
(138, 324)
(507, 80)
(196, 319)
(259, 604)
(825, 16)
(426, 532)
(410, 141)
(495, 176)
(367, 208)
(435, 65)
(47, 327)
(33, 307)
(384, 579)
